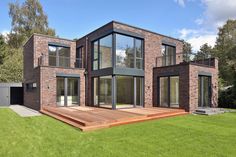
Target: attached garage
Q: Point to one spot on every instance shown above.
(11, 93)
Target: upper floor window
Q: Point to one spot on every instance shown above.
(129, 52)
(79, 57)
(102, 53)
(58, 56)
(168, 55)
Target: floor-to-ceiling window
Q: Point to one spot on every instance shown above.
(105, 99)
(204, 91)
(124, 91)
(67, 91)
(102, 53)
(72, 91)
(164, 91)
(169, 91)
(112, 55)
(60, 91)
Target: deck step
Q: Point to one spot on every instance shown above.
(63, 116)
(62, 119)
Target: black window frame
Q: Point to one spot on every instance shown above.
(113, 58)
(164, 56)
(79, 57)
(58, 56)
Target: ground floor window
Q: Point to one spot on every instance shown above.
(67, 91)
(204, 91)
(169, 91)
(118, 91)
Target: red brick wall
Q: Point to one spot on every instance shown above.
(48, 84)
(45, 76)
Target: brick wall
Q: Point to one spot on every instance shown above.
(188, 83)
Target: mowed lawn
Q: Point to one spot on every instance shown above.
(184, 136)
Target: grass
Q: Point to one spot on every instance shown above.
(184, 136)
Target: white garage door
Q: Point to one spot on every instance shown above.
(4, 96)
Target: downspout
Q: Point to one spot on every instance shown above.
(86, 71)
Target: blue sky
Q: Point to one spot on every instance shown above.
(193, 20)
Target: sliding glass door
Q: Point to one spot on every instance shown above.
(67, 91)
(127, 91)
(169, 91)
(204, 91)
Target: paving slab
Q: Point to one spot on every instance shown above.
(24, 111)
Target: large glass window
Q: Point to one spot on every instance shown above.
(169, 91)
(128, 52)
(58, 56)
(174, 91)
(105, 51)
(125, 91)
(70, 96)
(124, 51)
(102, 53)
(168, 55)
(79, 57)
(105, 99)
(164, 91)
(139, 53)
(72, 91)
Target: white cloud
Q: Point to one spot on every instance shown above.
(180, 2)
(198, 37)
(216, 13)
(198, 41)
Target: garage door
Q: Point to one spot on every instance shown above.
(4, 96)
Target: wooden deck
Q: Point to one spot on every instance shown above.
(90, 118)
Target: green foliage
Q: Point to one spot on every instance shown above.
(27, 18)
(2, 48)
(187, 51)
(204, 52)
(225, 50)
(11, 69)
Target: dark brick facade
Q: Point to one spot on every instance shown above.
(188, 83)
(45, 76)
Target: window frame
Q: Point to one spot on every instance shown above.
(165, 56)
(79, 59)
(58, 56)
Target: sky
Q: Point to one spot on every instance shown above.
(196, 21)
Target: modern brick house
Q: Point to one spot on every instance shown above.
(116, 66)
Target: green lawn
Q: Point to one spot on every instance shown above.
(184, 136)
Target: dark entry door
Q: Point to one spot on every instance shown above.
(16, 95)
(204, 91)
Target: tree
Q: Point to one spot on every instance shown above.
(225, 50)
(204, 52)
(27, 19)
(2, 48)
(187, 51)
(11, 69)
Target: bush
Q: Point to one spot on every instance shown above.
(227, 98)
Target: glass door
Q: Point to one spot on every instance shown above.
(204, 91)
(60, 91)
(169, 91)
(67, 91)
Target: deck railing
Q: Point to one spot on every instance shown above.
(60, 61)
(168, 60)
